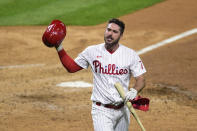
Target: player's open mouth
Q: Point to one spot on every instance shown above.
(109, 39)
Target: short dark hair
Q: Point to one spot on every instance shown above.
(119, 23)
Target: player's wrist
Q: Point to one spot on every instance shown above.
(59, 48)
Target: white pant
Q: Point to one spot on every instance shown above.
(106, 119)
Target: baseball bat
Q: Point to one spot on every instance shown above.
(129, 105)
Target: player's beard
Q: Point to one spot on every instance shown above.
(113, 43)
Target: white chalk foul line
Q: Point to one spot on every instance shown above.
(167, 41)
(20, 66)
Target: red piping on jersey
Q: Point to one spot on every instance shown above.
(70, 65)
(111, 52)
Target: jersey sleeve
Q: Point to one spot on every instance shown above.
(137, 67)
(68, 62)
(82, 59)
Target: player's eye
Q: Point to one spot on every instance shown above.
(115, 31)
(108, 29)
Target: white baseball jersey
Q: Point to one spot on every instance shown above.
(109, 68)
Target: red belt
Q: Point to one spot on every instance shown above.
(110, 105)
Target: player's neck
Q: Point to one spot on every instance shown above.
(112, 49)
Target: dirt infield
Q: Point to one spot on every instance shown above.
(29, 72)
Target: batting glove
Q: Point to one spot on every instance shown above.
(130, 95)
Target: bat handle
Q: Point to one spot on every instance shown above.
(132, 110)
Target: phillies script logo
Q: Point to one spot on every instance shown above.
(110, 69)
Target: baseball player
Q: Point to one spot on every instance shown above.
(110, 62)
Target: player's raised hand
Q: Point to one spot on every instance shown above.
(54, 34)
(130, 95)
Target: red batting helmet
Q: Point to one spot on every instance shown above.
(54, 34)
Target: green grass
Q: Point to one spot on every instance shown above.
(71, 12)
